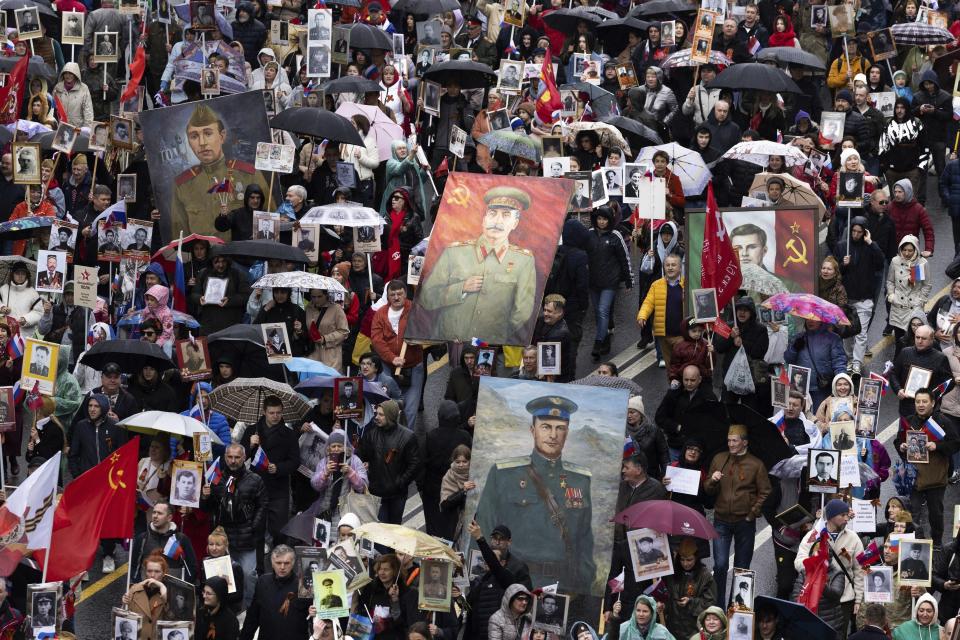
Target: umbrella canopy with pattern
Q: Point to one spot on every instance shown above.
(299, 280)
(344, 215)
(169, 252)
(791, 56)
(406, 540)
(920, 34)
(511, 143)
(383, 128)
(795, 191)
(25, 227)
(610, 382)
(807, 306)
(685, 164)
(242, 399)
(682, 59)
(610, 136)
(167, 422)
(130, 355)
(759, 152)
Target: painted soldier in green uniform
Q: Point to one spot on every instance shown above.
(545, 501)
(485, 287)
(193, 208)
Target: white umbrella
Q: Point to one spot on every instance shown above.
(298, 280)
(759, 152)
(167, 422)
(344, 215)
(685, 163)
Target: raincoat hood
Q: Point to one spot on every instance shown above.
(469, 349)
(801, 115)
(157, 270)
(448, 415)
(512, 592)
(160, 292)
(907, 187)
(251, 189)
(910, 239)
(267, 51)
(930, 76)
(859, 221)
(833, 385)
(933, 601)
(206, 387)
(104, 403)
(70, 67)
(247, 8)
(715, 610)
(629, 630)
(663, 250)
(581, 627)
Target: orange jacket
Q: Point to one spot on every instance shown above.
(387, 343)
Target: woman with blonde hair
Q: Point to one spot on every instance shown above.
(218, 546)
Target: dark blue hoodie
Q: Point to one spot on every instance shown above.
(91, 441)
(570, 275)
(935, 123)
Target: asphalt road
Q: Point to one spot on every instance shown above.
(104, 592)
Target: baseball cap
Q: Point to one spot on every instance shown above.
(111, 367)
(502, 531)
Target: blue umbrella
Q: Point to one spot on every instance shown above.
(372, 392)
(795, 620)
(179, 317)
(308, 368)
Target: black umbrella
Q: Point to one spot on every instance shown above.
(710, 422)
(426, 7)
(43, 8)
(755, 76)
(566, 20)
(793, 56)
(794, 620)
(80, 146)
(242, 346)
(319, 123)
(130, 355)
(469, 74)
(366, 36)
(614, 33)
(601, 100)
(260, 250)
(638, 134)
(35, 68)
(663, 7)
(351, 84)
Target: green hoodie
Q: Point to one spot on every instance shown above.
(630, 631)
(702, 634)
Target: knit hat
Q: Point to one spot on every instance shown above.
(337, 437)
(391, 410)
(844, 94)
(528, 107)
(834, 508)
(516, 123)
(344, 269)
(349, 520)
(635, 403)
(80, 161)
(846, 153)
(860, 77)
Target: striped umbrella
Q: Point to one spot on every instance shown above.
(921, 34)
(242, 399)
(682, 59)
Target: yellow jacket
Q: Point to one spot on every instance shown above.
(656, 302)
(837, 78)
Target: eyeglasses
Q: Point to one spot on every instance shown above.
(149, 334)
(883, 201)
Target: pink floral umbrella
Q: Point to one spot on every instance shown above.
(806, 306)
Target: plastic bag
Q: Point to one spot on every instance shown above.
(739, 379)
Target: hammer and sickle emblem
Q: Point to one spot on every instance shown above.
(119, 482)
(459, 196)
(799, 256)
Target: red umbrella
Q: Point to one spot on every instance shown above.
(668, 517)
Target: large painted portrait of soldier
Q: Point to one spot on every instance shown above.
(489, 256)
(534, 445)
(201, 157)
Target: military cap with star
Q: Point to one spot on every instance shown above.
(507, 198)
(552, 407)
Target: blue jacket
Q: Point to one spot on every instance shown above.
(950, 187)
(821, 351)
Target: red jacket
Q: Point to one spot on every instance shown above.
(687, 352)
(387, 343)
(909, 219)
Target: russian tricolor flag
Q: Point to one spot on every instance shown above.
(172, 549)
(15, 347)
(943, 387)
(480, 344)
(870, 555)
(629, 448)
(933, 429)
(214, 472)
(616, 584)
(260, 460)
(779, 420)
(886, 383)
(918, 272)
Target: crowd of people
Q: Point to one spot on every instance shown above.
(614, 83)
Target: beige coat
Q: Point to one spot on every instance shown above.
(334, 329)
(151, 610)
(76, 102)
(847, 546)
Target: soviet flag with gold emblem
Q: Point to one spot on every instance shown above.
(98, 504)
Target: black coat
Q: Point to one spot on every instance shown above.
(151, 540)
(440, 443)
(265, 611)
(931, 359)
(159, 396)
(869, 633)
(125, 406)
(91, 443)
(946, 566)
(861, 277)
(609, 261)
(240, 511)
(486, 591)
(288, 313)
(674, 406)
(390, 479)
(213, 317)
(282, 447)
(251, 34)
(223, 623)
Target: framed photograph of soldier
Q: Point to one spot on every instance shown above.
(181, 599)
(305, 238)
(705, 305)
(915, 564)
(867, 425)
(626, 76)
(174, 629)
(193, 359)
(799, 378)
(425, 59)
(823, 470)
(878, 584)
(266, 225)
(779, 392)
(436, 579)
(414, 267)
(916, 442)
(346, 174)
(548, 358)
(499, 119)
(841, 20)
(321, 532)
(186, 483)
(108, 241)
(276, 342)
(917, 378)
(568, 103)
(202, 447)
(71, 27)
(65, 137)
(742, 591)
(706, 22)
(210, 81)
(582, 199)
(8, 420)
(318, 60)
(428, 32)
(431, 98)
(341, 45)
(458, 141)
(125, 624)
(215, 291)
(741, 626)
(127, 188)
(26, 162)
(938, 19)
(556, 167)
(514, 12)
(649, 554)
(884, 101)
(850, 189)
(43, 607)
(99, 136)
(700, 51)
(28, 23)
(105, 45)
(270, 100)
(550, 612)
(309, 561)
(121, 132)
(818, 16)
(348, 397)
(222, 567)
(598, 189)
(510, 76)
(330, 593)
(869, 396)
(203, 15)
(882, 44)
(366, 239)
(51, 271)
(843, 435)
(832, 124)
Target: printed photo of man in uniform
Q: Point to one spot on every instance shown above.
(545, 501)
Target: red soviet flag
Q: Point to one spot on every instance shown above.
(11, 93)
(817, 566)
(720, 265)
(98, 504)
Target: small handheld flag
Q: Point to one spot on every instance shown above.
(870, 555)
(172, 549)
(886, 383)
(779, 420)
(214, 473)
(629, 448)
(918, 273)
(260, 460)
(934, 430)
(616, 584)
